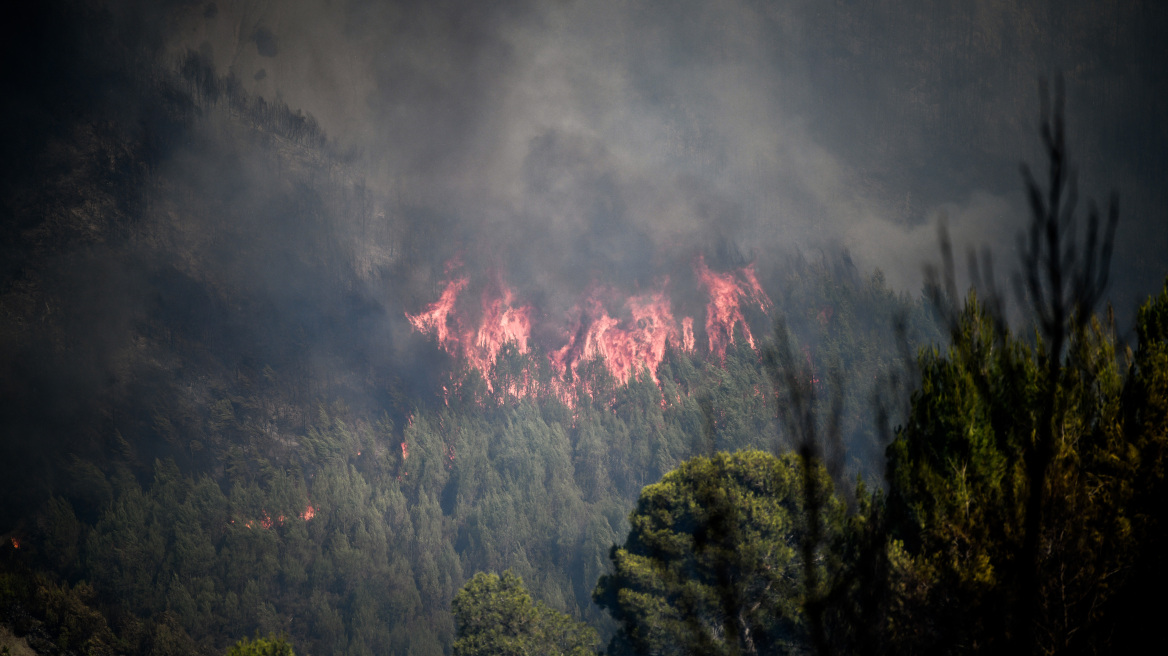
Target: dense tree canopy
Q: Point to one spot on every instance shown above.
(178, 477)
(940, 559)
(495, 616)
(270, 646)
(712, 561)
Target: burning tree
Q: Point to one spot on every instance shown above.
(632, 342)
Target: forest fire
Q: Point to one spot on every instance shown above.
(626, 347)
(437, 314)
(633, 341)
(266, 521)
(724, 310)
(502, 323)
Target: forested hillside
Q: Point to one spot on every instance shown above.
(258, 398)
(214, 426)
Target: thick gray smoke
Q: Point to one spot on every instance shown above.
(579, 140)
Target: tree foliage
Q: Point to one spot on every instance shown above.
(955, 517)
(1025, 490)
(712, 561)
(269, 646)
(192, 488)
(495, 616)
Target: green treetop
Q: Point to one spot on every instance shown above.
(269, 646)
(713, 563)
(496, 616)
(958, 487)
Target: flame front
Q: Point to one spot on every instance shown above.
(502, 323)
(626, 346)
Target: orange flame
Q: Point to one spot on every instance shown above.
(625, 345)
(435, 317)
(687, 336)
(502, 323)
(724, 310)
(309, 513)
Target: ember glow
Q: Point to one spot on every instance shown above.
(266, 521)
(632, 341)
